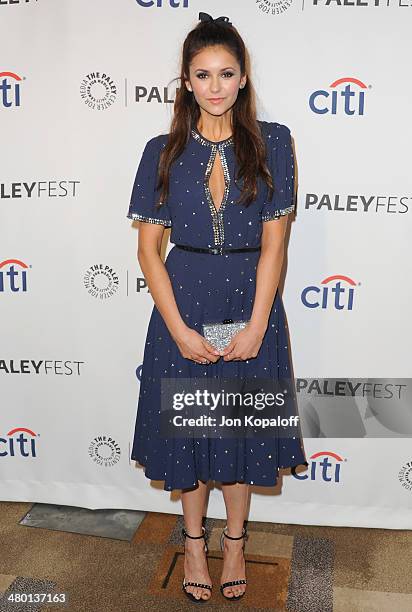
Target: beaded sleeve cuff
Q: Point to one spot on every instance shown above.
(139, 217)
(278, 213)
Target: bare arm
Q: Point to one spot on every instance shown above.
(271, 261)
(268, 271)
(157, 278)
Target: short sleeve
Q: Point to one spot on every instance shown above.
(144, 194)
(282, 167)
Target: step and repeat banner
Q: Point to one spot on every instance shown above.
(83, 86)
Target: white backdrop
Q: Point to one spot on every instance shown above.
(82, 88)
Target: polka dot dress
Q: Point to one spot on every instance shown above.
(210, 287)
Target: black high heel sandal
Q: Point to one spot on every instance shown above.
(196, 584)
(232, 582)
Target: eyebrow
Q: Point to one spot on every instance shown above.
(227, 68)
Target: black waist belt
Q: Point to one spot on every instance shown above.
(216, 250)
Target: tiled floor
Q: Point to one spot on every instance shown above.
(290, 568)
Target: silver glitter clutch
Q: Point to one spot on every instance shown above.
(220, 334)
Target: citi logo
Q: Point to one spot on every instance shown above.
(161, 3)
(345, 95)
(335, 291)
(20, 442)
(10, 89)
(324, 465)
(13, 276)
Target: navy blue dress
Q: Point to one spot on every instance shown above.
(209, 287)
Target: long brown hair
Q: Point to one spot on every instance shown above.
(248, 142)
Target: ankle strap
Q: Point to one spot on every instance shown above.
(184, 532)
(244, 534)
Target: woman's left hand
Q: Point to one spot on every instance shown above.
(245, 344)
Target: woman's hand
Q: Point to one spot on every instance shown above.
(193, 345)
(245, 344)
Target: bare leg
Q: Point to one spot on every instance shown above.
(236, 500)
(195, 567)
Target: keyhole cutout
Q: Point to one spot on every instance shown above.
(217, 182)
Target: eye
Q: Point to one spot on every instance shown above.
(227, 74)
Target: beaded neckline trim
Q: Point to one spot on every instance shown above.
(210, 143)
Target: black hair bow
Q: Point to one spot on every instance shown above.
(219, 20)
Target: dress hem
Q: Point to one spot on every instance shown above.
(210, 479)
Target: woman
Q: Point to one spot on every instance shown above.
(224, 182)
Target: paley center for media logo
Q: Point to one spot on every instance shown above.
(345, 96)
(10, 85)
(19, 442)
(324, 466)
(274, 7)
(278, 7)
(98, 90)
(333, 292)
(13, 276)
(104, 451)
(101, 281)
(405, 476)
